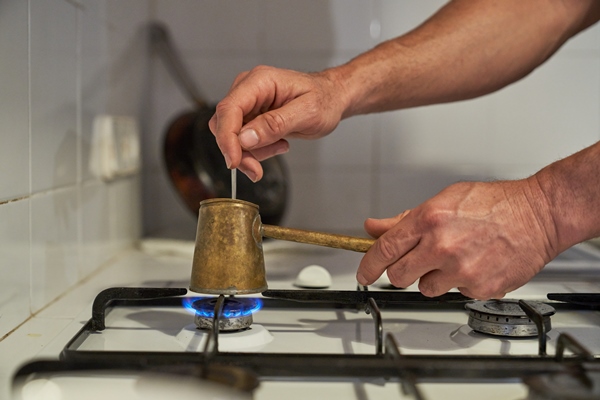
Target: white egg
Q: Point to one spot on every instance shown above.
(313, 277)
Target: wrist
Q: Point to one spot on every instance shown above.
(571, 188)
(543, 214)
(341, 92)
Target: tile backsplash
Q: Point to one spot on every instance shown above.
(63, 62)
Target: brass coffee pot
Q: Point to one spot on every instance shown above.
(228, 255)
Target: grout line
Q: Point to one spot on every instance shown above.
(29, 117)
(79, 136)
(112, 260)
(14, 200)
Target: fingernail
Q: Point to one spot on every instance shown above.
(252, 176)
(248, 138)
(361, 279)
(227, 161)
(281, 151)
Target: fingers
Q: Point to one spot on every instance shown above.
(246, 98)
(280, 147)
(225, 125)
(388, 250)
(250, 163)
(267, 104)
(296, 118)
(377, 227)
(251, 167)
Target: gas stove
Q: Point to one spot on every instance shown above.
(345, 341)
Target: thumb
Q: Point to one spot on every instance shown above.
(377, 227)
(266, 129)
(293, 118)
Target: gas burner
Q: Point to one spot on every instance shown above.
(506, 317)
(236, 314)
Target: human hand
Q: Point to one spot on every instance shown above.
(486, 239)
(266, 105)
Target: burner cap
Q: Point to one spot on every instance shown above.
(506, 318)
(236, 314)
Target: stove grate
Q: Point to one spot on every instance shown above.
(387, 362)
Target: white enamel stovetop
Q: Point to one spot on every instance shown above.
(167, 264)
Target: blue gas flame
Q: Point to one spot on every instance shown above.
(252, 305)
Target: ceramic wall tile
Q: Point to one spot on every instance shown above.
(95, 226)
(587, 40)
(93, 31)
(551, 114)
(63, 57)
(403, 188)
(306, 62)
(124, 213)
(331, 200)
(55, 245)
(457, 134)
(14, 265)
(349, 145)
(315, 25)
(128, 57)
(216, 26)
(399, 17)
(164, 213)
(214, 75)
(53, 60)
(14, 98)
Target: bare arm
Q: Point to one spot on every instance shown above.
(467, 49)
(571, 188)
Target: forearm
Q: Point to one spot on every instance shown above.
(571, 188)
(467, 49)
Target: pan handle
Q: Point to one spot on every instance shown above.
(160, 38)
(334, 240)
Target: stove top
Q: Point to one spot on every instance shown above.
(345, 341)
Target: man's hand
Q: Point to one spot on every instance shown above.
(486, 239)
(266, 105)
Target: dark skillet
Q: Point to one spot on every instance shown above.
(193, 160)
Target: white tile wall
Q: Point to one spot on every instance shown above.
(216, 27)
(94, 74)
(61, 63)
(14, 264)
(14, 91)
(556, 115)
(54, 245)
(53, 46)
(379, 164)
(317, 26)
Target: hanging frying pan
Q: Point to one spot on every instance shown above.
(193, 160)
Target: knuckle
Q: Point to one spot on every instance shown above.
(261, 68)
(428, 288)
(275, 122)
(223, 106)
(482, 292)
(397, 277)
(386, 249)
(468, 274)
(432, 216)
(369, 271)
